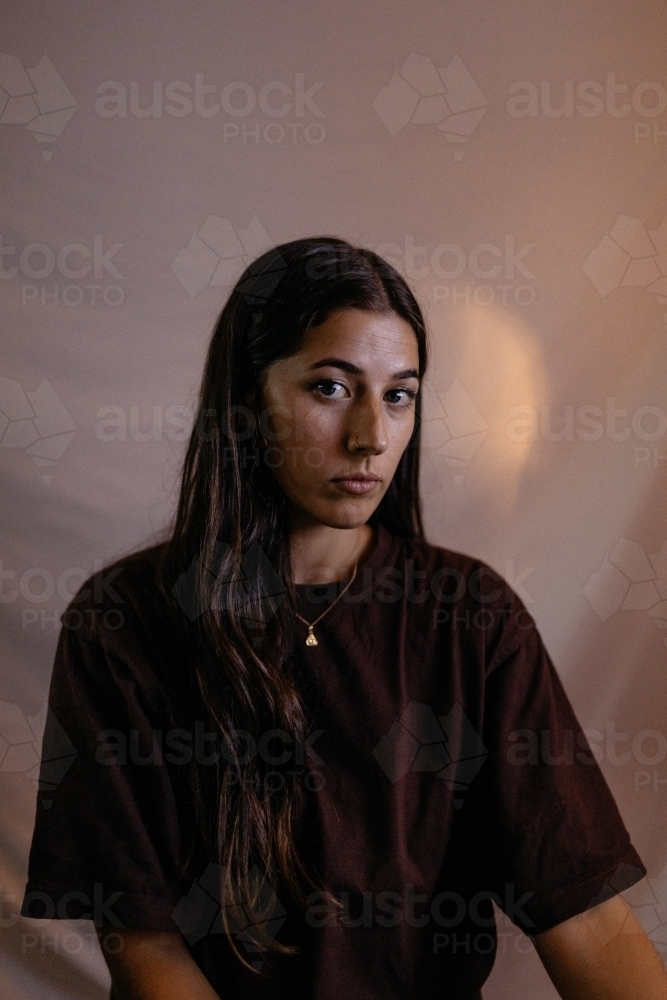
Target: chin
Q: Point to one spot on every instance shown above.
(351, 518)
(345, 515)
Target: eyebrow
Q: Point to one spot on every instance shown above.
(347, 366)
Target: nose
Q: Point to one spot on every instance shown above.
(367, 430)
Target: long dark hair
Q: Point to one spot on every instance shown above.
(227, 570)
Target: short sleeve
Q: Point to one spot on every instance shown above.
(106, 841)
(556, 841)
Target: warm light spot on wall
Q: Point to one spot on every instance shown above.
(485, 378)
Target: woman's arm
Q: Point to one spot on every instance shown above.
(589, 957)
(152, 965)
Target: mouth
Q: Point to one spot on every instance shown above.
(358, 483)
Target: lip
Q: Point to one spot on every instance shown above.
(358, 484)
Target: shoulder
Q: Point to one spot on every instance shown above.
(117, 639)
(123, 593)
(481, 580)
(438, 556)
(474, 603)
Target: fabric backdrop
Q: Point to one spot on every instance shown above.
(509, 159)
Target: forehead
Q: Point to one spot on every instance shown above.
(369, 339)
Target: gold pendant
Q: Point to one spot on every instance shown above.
(310, 638)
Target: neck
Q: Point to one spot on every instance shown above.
(321, 554)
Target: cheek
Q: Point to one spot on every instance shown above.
(301, 446)
(285, 419)
(311, 423)
(407, 430)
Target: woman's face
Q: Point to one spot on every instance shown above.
(342, 406)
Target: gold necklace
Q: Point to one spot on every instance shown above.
(310, 638)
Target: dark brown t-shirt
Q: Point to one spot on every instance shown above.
(446, 769)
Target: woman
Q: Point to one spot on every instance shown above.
(302, 766)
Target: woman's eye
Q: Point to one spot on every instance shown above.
(407, 396)
(326, 385)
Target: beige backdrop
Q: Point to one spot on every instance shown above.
(510, 160)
